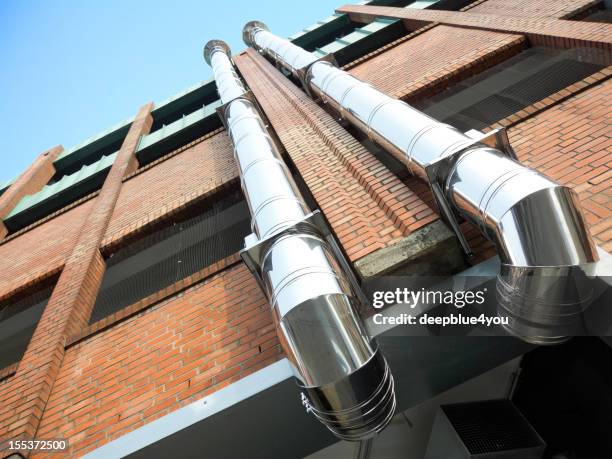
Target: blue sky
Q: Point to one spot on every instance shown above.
(70, 69)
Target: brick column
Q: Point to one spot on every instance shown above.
(23, 397)
(540, 31)
(35, 177)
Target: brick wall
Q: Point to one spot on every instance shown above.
(438, 57)
(366, 205)
(171, 183)
(40, 250)
(24, 396)
(572, 143)
(30, 181)
(180, 350)
(157, 191)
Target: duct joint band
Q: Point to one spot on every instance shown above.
(373, 114)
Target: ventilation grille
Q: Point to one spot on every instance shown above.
(510, 86)
(18, 320)
(491, 426)
(172, 253)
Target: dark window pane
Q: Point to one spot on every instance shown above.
(510, 86)
(18, 320)
(185, 246)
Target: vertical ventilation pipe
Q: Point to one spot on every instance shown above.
(536, 224)
(344, 377)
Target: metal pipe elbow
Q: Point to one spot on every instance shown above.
(541, 236)
(544, 298)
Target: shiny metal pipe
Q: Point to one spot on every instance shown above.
(344, 377)
(536, 224)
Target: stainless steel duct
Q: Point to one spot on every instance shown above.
(344, 378)
(536, 224)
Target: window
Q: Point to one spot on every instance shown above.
(190, 242)
(510, 86)
(19, 316)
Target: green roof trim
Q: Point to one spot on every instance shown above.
(184, 130)
(184, 103)
(174, 98)
(91, 150)
(322, 31)
(59, 194)
(422, 4)
(328, 29)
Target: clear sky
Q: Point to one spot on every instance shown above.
(70, 69)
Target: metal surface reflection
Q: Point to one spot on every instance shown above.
(345, 379)
(535, 223)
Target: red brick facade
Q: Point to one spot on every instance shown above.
(172, 183)
(94, 383)
(40, 250)
(571, 143)
(435, 59)
(188, 346)
(23, 397)
(542, 8)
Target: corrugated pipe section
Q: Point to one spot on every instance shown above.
(536, 224)
(345, 380)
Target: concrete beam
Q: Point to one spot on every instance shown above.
(432, 249)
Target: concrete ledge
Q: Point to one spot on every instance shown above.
(433, 250)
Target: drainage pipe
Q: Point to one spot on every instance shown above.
(346, 382)
(535, 223)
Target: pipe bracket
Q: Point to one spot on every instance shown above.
(498, 139)
(248, 95)
(255, 249)
(302, 73)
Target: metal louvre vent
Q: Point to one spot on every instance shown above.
(491, 426)
(178, 250)
(510, 86)
(18, 320)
